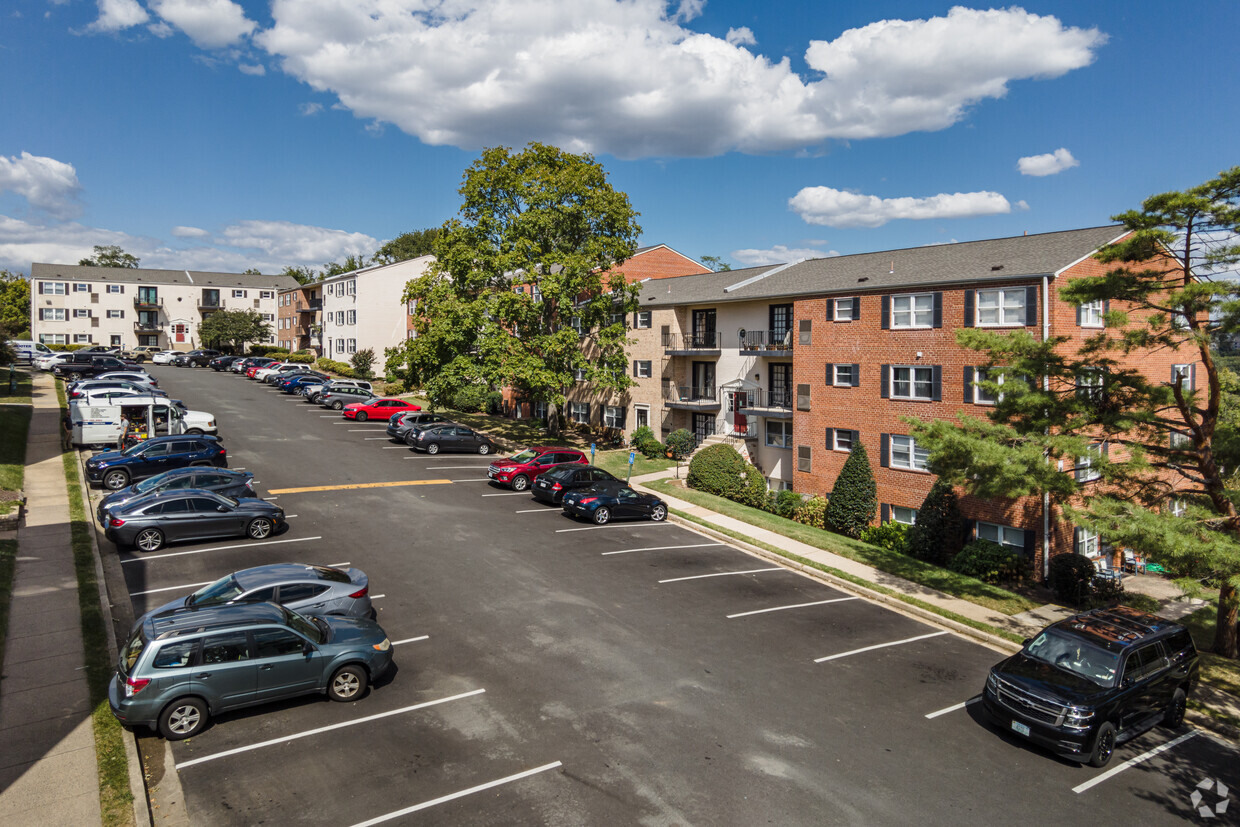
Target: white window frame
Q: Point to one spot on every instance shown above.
(116, 339)
(350, 317)
(50, 288)
(1179, 440)
(836, 370)
(82, 339)
(269, 317)
(79, 313)
(53, 314)
(350, 345)
(998, 533)
(116, 288)
(579, 412)
(613, 416)
(905, 311)
(53, 338)
(266, 294)
(912, 458)
(903, 515)
(1089, 385)
(842, 309)
(643, 320)
(340, 345)
(638, 412)
(1001, 307)
(979, 397)
(912, 382)
(838, 444)
(1091, 314)
(116, 314)
(579, 374)
(1084, 470)
(575, 324)
(784, 438)
(79, 287)
(340, 317)
(351, 287)
(643, 368)
(1184, 373)
(1177, 506)
(1088, 543)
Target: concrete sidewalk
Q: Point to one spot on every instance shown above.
(48, 772)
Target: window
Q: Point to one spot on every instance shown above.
(844, 376)
(266, 294)
(579, 374)
(1177, 507)
(116, 314)
(1086, 541)
(641, 319)
(227, 648)
(1001, 307)
(613, 416)
(642, 415)
(1089, 314)
(538, 410)
(579, 412)
(575, 324)
(53, 339)
(339, 317)
(331, 289)
(1004, 535)
(268, 317)
(81, 339)
(980, 395)
(642, 368)
(616, 317)
(907, 455)
(536, 292)
(175, 654)
(804, 331)
(779, 433)
(1089, 385)
(116, 288)
(238, 294)
(274, 643)
(802, 397)
(52, 288)
(340, 345)
(81, 288)
(906, 516)
(351, 345)
(912, 382)
(842, 439)
(52, 314)
(350, 317)
(1084, 471)
(804, 463)
(1181, 441)
(114, 340)
(843, 309)
(1183, 376)
(412, 306)
(916, 310)
(81, 314)
(351, 288)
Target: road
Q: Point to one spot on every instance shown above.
(552, 672)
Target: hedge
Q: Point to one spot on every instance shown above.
(717, 469)
(338, 368)
(990, 562)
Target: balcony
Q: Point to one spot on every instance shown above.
(141, 302)
(691, 344)
(766, 342)
(691, 398)
(208, 305)
(147, 327)
(771, 404)
(311, 307)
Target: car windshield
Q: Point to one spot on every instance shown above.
(221, 591)
(525, 456)
(304, 627)
(1075, 655)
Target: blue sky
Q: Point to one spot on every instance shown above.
(212, 134)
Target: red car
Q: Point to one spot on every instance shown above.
(378, 408)
(517, 471)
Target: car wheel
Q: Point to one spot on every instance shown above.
(195, 431)
(116, 480)
(601, 515)
(338, 405)
(183, 718)
(149, 539)
(432, 448)
(75, 377)
(658, 513)
(347, 684)
(1104, 745)
(1174, 716)
(259, 528)
(520, 482)
(484, 449)
(362, 416)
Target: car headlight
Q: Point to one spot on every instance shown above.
(1078, 718)
(382, 647)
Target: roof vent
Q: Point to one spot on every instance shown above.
(864, 278)
(996, 267)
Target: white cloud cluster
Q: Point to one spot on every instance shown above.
(779, 254)
(627, 78)
(190, 232)
(299, 243)
(1051, 163)
(115, 15)
(836, 208)
(45, 183)
(211, 24)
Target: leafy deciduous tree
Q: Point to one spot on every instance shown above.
(233, 329)
(408, 245)
(14, 304)
(716, 263)
(110, 256)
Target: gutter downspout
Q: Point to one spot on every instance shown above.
(1046, 386)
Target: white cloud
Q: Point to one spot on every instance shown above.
(256, 69)
(629, 79)
(211, 24)
(741, 37)
(296, 243)
(161, 30)
(779, 254)
(115, 15)
(836, 208)
(190, 232)
(45, 183)
(23, 242)
(1051, 163)
(309, 109)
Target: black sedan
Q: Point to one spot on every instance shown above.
(551, 486)
(605, 501)
(220, 363)
(220, 480)
(193, 514)
(449, 437)
(399, 425)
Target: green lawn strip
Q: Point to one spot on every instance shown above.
(25, 387)
(900, 565)
(115, 797)
(1217, 714)
(1216, 670)
(617, 462)
(14, 425)
(852, 578)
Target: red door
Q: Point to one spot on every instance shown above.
(740, 422)
(178, 330)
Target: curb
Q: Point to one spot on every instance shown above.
(894, 603)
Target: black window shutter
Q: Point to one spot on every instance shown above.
(830, 310)
(969, 314)
(968, 384)
(886, 513)
(1106, 449)
(1078, 315)
(1031, 538)
(886, 387)
(884, 451)
(856, 375)
(856, 303)
(830, 374)
(634, 367)
(856, 438)
(886, 322)
(830, 439)
(1076, 541)
(970, 530)
(938, 309)
(936, 390)
(1031, 306)
(1192, 376)
(1106, 308)
(40, 289)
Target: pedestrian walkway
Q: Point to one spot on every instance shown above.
(48, 771)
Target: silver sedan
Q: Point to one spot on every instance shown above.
(306, 589)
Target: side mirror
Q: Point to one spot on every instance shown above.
(307, 648)
(223, 509)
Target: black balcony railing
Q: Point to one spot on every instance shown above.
(760, 400)
(209, 304)
(310, 307)
(141, 302)
(776, 340)
(147, 327)
(691, 341)
(691, 395)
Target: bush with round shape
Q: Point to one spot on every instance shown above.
(332, 366)
(812, 512)
(301, 357)
(680, 442)
(854, 499)
(754, 492)
(470, 399)
(890, 535)
(1070, 577)
(786, 503)
(990, 562)
(495, 403)
(644, 441)
(717, 469)
(939, 532)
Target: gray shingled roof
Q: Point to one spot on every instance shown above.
(1019, 257)
(127, 275)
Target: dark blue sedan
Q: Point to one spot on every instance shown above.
(606, 501)
(219, 480)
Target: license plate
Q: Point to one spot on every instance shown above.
(1017, 726)
(543, 485)
(491, 474)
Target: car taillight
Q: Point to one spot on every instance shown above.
(135, 685)
(360, 592)
(116, 522)
(556, 487)
(222, 452)
(249, 484)
(586, 501)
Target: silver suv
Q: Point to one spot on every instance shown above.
(336, 397)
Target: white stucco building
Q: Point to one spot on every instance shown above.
(365, 309)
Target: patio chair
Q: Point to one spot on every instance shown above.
(1133, 563)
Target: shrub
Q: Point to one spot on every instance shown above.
(470, 398)
(855, 496)
(363, 362)
(643, 440)
(890, 535)
(274, 351)
(338, 368)
(495, 403)
(680, 443)
(786, 503)
(990, 563)
(718, 469)
(1069, 576)
(939, 532)
(392, 388)
(811, 512)
(754, 492)
(303, 357)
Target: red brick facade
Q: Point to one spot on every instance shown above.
(660, 262)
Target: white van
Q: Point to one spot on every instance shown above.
(27, 350)
(153, 415)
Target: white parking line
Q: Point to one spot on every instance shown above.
(394, 447)
(377, 596)
(793, 606)
(954, 707)
(878, 646)
(285, 739)
(610, 525)
(217, 548)
(538, 511)
(410, 640)
(171, 588)
(453, 796)
(269, 499)
(652, 548)
(327, 416)
(1132, 762)
(504, 494)
(719, 574)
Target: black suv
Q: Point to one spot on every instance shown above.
(85, 366)
(1094, 680)
(117, 469)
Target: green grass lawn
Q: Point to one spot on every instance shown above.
(1221, 673)
(900, 565)
(617, 462)
(24, 386)
(14, 423)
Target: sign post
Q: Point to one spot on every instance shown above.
(632, 459)
(591, 453)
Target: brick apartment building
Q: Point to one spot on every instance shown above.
(299, 318)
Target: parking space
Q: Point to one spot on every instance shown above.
(552, 671)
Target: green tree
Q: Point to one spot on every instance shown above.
(363, 361)
(336, 268)
(716, 263)
(14, 304)
(1171, 272)
(854, 499)
(110, 256)
(251, 271)
(408, 245)
(519, 281)
(233, 329)
(303, 275)
(939, 531)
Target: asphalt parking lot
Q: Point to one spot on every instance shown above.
(554, 672)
